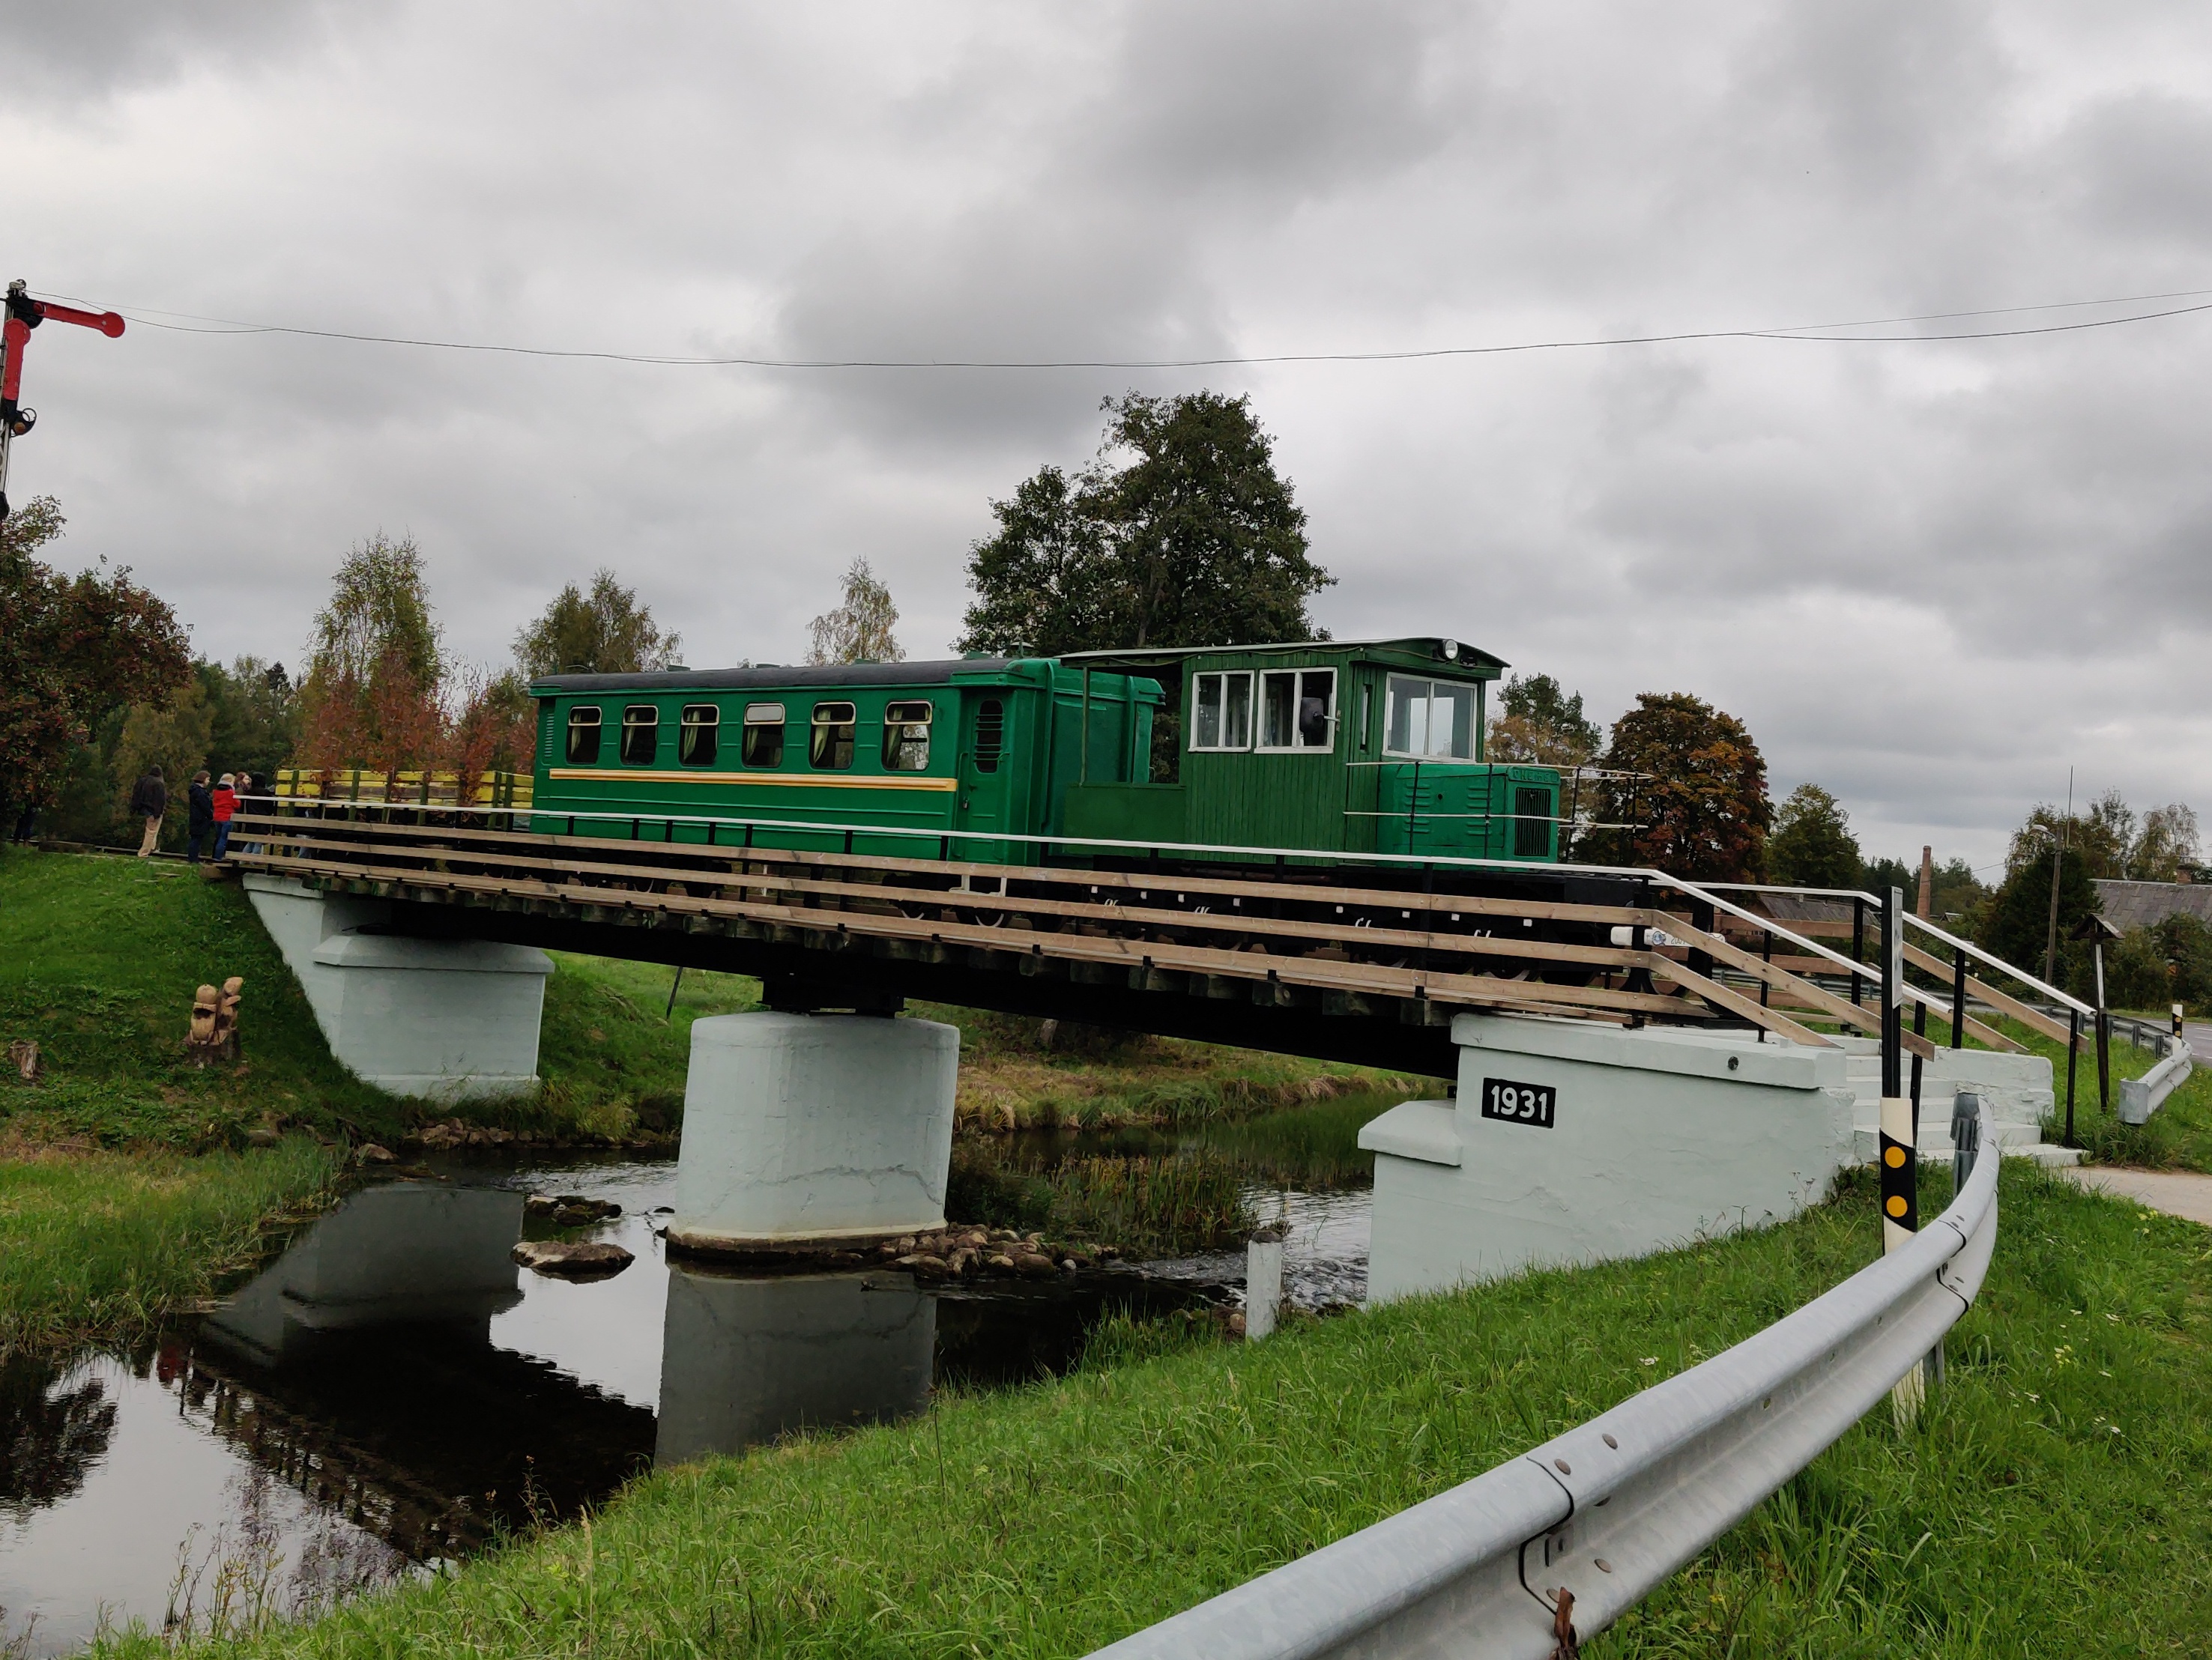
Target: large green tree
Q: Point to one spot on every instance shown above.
(74, 650)
(1696, 804)
(2016, 922)
(1180, 532)
(604, 632)
(1812, 845)
(1539, 721)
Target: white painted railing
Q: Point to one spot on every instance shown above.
(1580, 1529)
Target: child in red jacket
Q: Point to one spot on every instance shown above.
(226, 804)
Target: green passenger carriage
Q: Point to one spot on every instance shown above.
(1372, 747)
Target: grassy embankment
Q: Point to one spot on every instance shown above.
(2056, 1498)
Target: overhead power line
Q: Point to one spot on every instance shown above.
(1807, 333)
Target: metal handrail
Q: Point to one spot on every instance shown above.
(1607, 1511)
(1914, 920)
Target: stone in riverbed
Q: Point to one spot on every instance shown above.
(1034, 1265)
(586, 1259)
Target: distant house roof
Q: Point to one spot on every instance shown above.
(2141, 904)
(1805, 907)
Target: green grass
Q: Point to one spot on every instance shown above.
(2056, 1500)
(99, 959)
(101, 1243)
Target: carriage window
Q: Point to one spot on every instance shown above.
(1297, 709)
(1433, 719)
(1222, 707)
(583, 736)
(832, 747)
(763, 739)
(906, 737)
(641, 740)
(696, 738)
(990, 734)
(1532, 823)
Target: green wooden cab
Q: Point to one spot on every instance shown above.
(966, 750)
(1372, 747)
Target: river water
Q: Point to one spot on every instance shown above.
(391, 1392)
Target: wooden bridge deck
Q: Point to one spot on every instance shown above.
(1359, 963)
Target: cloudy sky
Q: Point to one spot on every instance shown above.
(1931, 576)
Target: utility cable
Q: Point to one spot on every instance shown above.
(1808, 333)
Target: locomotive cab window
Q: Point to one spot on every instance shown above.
(1297, 710)
(583, 736)
(696, 738)
(906, 737)
(640, 738)
(763, 740)
(1221, 707)
(832, 749)
(1429, 720)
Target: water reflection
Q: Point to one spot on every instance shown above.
(52, 1431)
(393, 1392)
(747, 1358)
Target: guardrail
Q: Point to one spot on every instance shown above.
(2141, 1097)
(1526, 1560)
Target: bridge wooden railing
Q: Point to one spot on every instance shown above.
(1356, 937)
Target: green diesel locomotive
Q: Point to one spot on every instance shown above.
(1366, 746)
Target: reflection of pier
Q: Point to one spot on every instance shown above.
(746, 1359)
(359, 1369)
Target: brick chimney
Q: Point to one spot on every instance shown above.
(1926, 908)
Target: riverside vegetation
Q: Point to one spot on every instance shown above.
(2056, 1496)
(131, 1181)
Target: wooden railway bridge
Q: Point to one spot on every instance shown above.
(1362, 962)
(1634, 997)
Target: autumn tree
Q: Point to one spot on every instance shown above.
(1699, 808)
(1179, 532)
(861, 629)
(1539, 722)
(605, 632)
(376, 665)
(1812, 845)
(74, 651)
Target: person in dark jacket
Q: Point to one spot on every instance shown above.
(226, 804)
(150, 799)
(201, 821)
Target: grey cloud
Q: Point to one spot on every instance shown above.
(94, 46)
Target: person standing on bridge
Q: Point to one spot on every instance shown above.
(226, 805)
(199, 815)
(150, 799)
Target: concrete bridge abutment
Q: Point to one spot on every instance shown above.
(438, 1020)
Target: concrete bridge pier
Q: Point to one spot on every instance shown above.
(440, 1019)
(803, 1131)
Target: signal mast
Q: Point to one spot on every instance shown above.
(24, 314)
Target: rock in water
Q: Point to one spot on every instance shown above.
(584, 1259)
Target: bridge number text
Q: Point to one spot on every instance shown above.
(1517, 1102)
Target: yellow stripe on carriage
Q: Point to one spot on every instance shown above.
(626, 775)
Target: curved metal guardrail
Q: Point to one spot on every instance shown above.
(1581, 1529)
(2141, 1097)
